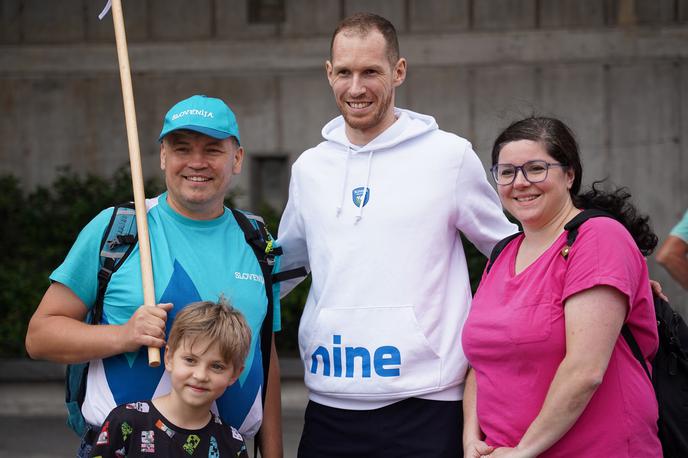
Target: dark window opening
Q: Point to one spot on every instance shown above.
(265, 11)
(269, 182)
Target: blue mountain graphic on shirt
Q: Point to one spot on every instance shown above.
(131, 379)
(237, 400)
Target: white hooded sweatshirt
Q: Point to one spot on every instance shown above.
(390, 290)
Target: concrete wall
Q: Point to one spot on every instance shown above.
(615, 70)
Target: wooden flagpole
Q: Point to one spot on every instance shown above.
(135, 162)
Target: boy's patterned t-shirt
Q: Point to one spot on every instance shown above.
(139, 430)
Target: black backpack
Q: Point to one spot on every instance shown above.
(670, 366)
(119, 240)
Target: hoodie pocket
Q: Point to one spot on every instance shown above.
(377, 352)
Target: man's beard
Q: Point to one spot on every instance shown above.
(369, 121)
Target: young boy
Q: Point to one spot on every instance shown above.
(205, 354)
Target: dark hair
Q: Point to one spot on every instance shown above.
(560, 143)
(551, 133)
(364, 23)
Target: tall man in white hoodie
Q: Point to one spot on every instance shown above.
(375, 212)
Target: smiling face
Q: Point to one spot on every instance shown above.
(534, 204)
(198, 373)
(198, 171)
(363, 81)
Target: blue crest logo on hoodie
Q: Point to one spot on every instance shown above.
(359, 194)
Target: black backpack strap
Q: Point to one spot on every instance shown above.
(119, 239)
(498, 248)
(289, 274)
(635, 348)
(572, 226)
(117, 243)
(261, 243)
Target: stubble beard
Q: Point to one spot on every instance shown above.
(368, 122)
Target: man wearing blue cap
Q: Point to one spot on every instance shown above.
(199, 253)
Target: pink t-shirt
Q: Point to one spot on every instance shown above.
(515, 340)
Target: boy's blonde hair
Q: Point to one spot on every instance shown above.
(217, 321)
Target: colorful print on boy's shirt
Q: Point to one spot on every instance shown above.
(164, 428)
(126, 430)
(148, 441)
(130, 432)
(213, 451)
(191, 443)
(104, 436)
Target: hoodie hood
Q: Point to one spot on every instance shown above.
(407, 126)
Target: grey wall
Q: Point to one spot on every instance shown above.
(615, 70)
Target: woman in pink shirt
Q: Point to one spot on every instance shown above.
(551, 375)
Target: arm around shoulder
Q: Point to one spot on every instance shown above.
(291, 238)
(480, 214)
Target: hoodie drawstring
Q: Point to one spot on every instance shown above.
(365, 189)
(346, 174)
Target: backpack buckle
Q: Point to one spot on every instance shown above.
(104, 275)
(270, 259)
(126, 239)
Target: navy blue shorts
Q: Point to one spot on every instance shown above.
(417, 428)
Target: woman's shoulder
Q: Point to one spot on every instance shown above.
(603, 237)
(604, 228)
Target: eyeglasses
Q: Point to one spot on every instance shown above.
(533, 171)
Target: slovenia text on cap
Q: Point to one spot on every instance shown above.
(203, 114)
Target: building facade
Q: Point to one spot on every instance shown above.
(615, 70)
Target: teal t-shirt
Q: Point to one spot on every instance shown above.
(192, 261)
(681, 229)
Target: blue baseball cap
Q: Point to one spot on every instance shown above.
(207, 115)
